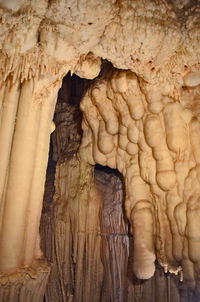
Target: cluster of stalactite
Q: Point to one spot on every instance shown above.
(152, 138)
(85, 233)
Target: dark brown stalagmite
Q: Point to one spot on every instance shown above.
(114, 234)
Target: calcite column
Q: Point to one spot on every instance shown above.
(25, 126)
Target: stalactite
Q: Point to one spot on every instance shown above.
(159, 162)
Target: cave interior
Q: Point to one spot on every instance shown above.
(100, 151)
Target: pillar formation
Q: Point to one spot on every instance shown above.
(25, 126)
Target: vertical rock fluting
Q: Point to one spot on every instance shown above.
(25, 127)
(25, 284)
(114, 237)
(73, 221)
(75, 248)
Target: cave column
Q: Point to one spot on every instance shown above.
(25, 126)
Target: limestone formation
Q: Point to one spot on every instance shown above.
(140, 116)
(152, 139)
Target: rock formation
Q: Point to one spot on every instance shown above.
(140, 116)
(151, 139)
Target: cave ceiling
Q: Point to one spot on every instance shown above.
(158, 40)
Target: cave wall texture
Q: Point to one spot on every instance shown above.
(131, 234)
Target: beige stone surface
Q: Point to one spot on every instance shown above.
(157, 153)
(157, 40)
(25, 127)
